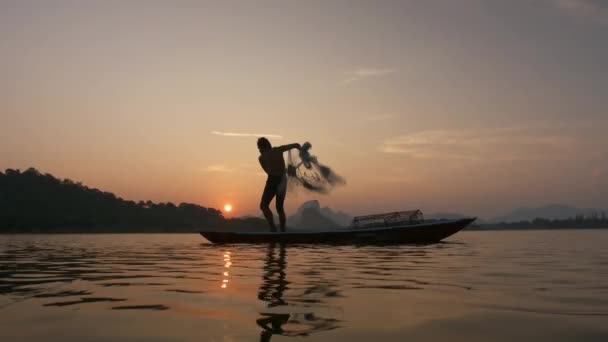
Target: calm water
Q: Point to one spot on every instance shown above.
(477, 286)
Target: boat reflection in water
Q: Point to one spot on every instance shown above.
(281, 317)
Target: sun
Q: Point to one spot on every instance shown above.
(228, 208)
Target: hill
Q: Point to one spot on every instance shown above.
(41, 203)
(550, 212)
(311, 215)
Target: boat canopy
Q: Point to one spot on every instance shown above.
(388, 219)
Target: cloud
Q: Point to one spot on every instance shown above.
(377, 118)
(242, 168)
(490, 144)
(595, 10)
(597, 172)
(362, 73)
(219, 168)
(256, 135)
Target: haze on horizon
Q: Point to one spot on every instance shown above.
(455, 106)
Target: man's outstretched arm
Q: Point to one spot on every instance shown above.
(285, 148)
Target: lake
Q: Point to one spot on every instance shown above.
(476, 286)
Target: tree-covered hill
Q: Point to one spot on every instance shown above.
(34, 202)
(594, 221)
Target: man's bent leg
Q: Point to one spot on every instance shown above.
(269, 217)
(267, 196)
(280, 200)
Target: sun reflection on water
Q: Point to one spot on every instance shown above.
(226, 274)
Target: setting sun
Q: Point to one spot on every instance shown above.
(228, 208)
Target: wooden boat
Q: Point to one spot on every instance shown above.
(390, 228)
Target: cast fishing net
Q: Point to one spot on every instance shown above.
(305, 171)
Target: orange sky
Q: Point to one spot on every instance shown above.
(470, 106)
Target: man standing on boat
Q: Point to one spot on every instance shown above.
(272, 161)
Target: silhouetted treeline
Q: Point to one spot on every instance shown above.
(35, 202)
(595, 220)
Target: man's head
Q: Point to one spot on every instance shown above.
(263, 145)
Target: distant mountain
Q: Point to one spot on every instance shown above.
(310, 215)
(342, 219)
(553, 211)
(448, 216)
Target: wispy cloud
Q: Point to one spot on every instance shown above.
(490, 144)
(377, 118)
(595, 10)
(597, 172)
(256, 135)
(241, 169)
(218, 168)
(363, 73)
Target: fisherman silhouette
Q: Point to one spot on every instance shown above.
(272, 161)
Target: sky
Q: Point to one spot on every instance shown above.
(471, 106)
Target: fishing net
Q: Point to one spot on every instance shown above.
(305, 171)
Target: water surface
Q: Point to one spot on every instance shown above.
(476, 286)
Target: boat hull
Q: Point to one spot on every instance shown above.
(422, 233)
